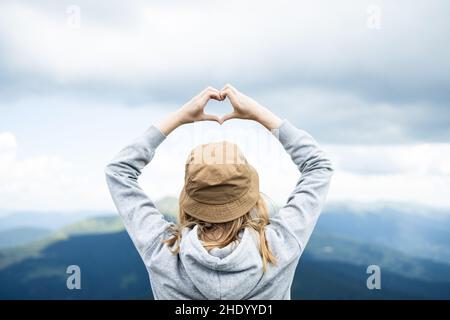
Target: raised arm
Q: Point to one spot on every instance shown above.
(142, 220)
(308, 197)
(305, 203)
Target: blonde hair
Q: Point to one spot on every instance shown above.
(228, 232)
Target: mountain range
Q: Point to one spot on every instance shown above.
(333, 265)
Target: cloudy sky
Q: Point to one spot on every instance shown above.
(369, 79)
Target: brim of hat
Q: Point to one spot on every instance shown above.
(218, 213)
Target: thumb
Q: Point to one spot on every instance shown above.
(210, 117)
(228, 117)
(228, 93)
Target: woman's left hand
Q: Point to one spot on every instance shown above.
(193, 110)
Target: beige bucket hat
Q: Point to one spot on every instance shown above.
(219, 185)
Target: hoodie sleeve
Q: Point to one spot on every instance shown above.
(144, 223)
(305, 203)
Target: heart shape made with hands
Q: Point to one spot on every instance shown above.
(228, 92)
(219, 109)
(244, 107)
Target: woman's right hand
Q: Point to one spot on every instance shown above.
(245, 107)
(193, 110)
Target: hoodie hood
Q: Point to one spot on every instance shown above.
(218, 273)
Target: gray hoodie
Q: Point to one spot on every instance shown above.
(235, 271)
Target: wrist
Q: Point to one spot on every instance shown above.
(268, 119)
(178, 118)
(170, 123)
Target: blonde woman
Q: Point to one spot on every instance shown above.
(226, 245)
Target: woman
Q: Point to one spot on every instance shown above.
(225, 245)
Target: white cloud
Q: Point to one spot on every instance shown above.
(341, 117)
(8, 146)
(417, 174)
(419, 159)
(315, 63)
(45, 182)
(410, 189)
(150, 45)
(409, 174)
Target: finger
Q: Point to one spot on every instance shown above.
(227, 92)
(229, 87)
(209, 88)
(214, 95)
(231, 95)
(227, 117)
(211, 93)
(210, 117)
(204, 93)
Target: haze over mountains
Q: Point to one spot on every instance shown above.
(410, 249)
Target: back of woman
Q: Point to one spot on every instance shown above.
(227, 243)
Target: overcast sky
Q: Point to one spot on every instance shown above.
(368, 79)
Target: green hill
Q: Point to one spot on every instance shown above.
(331, 268)
(22, 235)
(99, 225)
